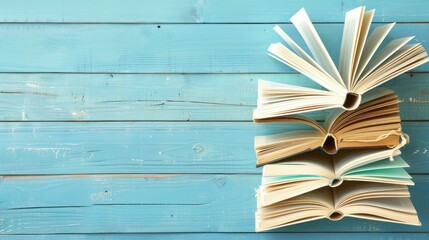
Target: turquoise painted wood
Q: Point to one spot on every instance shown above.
(132, 119)
(172, 97)
(160, 48)
(184, 203)
(233, 236)
(202, 11)
(153, 147)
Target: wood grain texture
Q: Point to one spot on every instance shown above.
(158, 147)
(160, 48)
(160, 203)
(202, 11)
(232, 236)
(178, 97)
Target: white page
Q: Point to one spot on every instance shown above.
(269, 197)
(265, 86)
(355, 191)
(396, 210)
(277, 98)
(351, 31)
(298, 49)
(372, 43)
(397, 64)
(367, 19)
(385, 53)
(285, 55)
(305, 27)
(295, 105)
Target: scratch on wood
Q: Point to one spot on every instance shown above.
(220, 181)
(198, 151)
(154, 204)
(182, 101)
(196, 12)
(414, 100)
(425, 151)
(141, 161)
(54, 150)
(33, 93)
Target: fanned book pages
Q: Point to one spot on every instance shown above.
(372, 201)
(361, 66)
(375, 123)
(310, 171)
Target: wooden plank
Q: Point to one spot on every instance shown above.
(232, 236)
(153, 147)
(183, 97)
(160, 203)
(159, 48)
(197, 11)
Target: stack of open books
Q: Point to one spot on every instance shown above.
(350, 166)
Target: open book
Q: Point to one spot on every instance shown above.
(361, 67)
(375, 123)
(309, 171)
(373, 201)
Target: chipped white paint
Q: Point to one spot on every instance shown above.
(79, 114)
(414, 100)
(101, 196)
(32, 85)
(12, 149)
(53, 150)
(23, 116)
(138, 160)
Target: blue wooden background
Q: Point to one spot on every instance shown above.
(132, 119)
